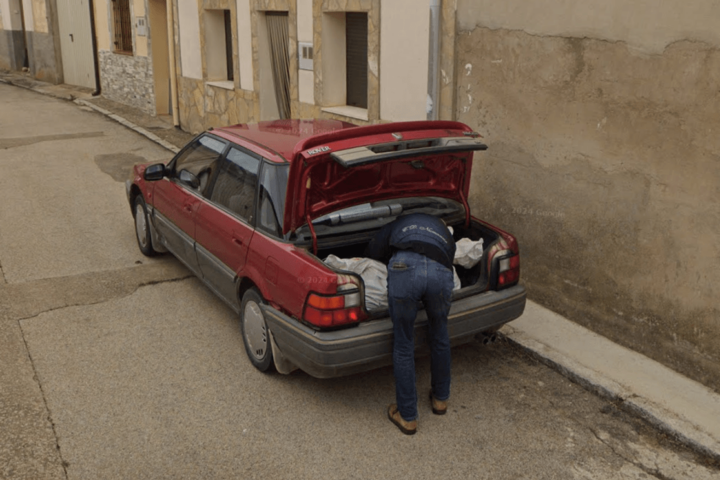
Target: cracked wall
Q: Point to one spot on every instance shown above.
(604, 160)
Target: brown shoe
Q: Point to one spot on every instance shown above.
(408, 428)
(439, 407)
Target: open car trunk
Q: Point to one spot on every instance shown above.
(353, 244)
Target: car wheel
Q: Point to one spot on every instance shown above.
(256, 335)
(142, 228)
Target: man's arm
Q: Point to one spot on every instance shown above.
(379, 247)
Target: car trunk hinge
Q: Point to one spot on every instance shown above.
(312, 233)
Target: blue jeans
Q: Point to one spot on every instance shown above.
(411, 278)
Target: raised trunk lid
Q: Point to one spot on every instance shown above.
(367, 164)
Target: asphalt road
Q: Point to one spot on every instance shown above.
(113, 365)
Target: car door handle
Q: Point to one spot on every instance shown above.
(237, 241)
(187, 207)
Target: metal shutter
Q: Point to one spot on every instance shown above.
(356, 34)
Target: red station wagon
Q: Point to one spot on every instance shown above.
(253, 210)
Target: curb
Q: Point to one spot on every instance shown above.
(151, 136)
(668, 422)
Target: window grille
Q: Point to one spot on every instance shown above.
(123, 27)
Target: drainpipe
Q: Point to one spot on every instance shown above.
(433, 104)
(169, 4)
(96, 61)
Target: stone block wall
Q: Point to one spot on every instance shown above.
(127, 79)
(202, 106)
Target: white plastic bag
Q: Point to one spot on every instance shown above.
(456, 280)
(373, 273)
(468, 252)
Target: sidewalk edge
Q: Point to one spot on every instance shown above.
(128, 124)
(667, 422)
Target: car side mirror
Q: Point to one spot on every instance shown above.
(189, 179)
(155, 172)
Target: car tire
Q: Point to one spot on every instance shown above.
(255, 333)
(142, 227)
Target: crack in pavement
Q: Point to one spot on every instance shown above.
(654, 472)
(125, 295)
(63, 462)
(36, 375)
(6, 143)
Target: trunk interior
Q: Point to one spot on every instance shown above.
(475, 277)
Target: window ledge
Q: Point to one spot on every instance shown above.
(348, 111)
(226, 84)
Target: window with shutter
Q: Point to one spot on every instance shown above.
(356, 45)
(122, 26)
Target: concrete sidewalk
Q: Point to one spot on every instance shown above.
(678, 406)
(682, 408)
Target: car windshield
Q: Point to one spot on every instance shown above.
(371, 216)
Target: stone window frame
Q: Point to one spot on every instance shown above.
(221, 5)
(372, 8)
(259, 7)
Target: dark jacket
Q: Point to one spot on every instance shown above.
(420, 233)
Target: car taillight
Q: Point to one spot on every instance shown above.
(508, 271)
(335, 310)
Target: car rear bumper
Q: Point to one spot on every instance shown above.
(369, 345)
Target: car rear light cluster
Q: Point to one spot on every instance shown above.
(508, 271)
(335, 310)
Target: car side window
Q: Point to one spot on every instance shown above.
(236, 183)
(273, 187)
(200, 159)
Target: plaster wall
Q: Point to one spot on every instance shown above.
(12, 53)
(141, 42)
(102, 25)
(28, 15)
(10, 15)
(306, 78)
(190, 51)
(305, 20)
(646, 26)
(40, 16)
(245, 45)
(604, 160)
(404, 37)
(43, 59)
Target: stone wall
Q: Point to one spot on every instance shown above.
(127, 79)
(604, 160)
(202, 106)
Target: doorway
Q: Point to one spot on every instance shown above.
(160, 55)
(76, 42)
